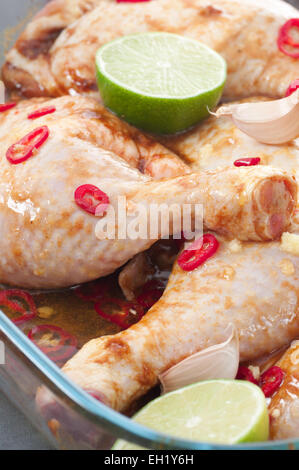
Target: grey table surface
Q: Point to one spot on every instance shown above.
(16, 433)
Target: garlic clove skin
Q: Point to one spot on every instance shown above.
(269, 122)
(217, 362)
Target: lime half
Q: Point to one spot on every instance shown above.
(217, 411)
(160, 82)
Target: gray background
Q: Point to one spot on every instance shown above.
(15, 431)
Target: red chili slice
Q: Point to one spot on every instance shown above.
(179, 242)
(122, 318)
(282, 48)
(247, 161)
(24, 148)
(7, 106)
(85, 196)
(201, 250)
(271, 380)
(284, 38)
(151, 293)
(244, 373)
(293, 87)
(6, 299)
(42, 112)
(66, 345)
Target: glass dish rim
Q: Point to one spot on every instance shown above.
(117, 424)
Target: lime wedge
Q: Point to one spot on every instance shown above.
(217, 411)
(160, 82)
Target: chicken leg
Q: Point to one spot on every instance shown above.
(48, 241)
(244, 32)
(36, 41)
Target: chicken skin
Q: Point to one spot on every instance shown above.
(245, 33)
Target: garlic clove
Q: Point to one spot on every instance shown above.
(269, 122)
(217, 362)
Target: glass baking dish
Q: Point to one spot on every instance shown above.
(83, 422)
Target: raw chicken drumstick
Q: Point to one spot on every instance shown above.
(244, 32)
(251, 285)
(47, 240)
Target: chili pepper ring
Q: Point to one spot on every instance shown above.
(293, 87)
(121, 318)
(6, 299)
